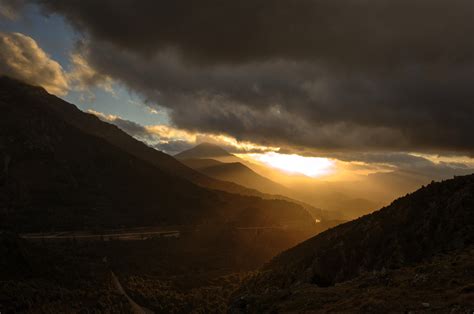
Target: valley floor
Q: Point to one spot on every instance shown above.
(171, 275)
(194, 272)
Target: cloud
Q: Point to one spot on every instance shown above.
(22, 58)
(404, 171)
(10, 9)
(174, 140)
(102, 116)
(134, 129)
(82, 76)
(299, 104)
(424, 166)
(350, 31)
(346, 76)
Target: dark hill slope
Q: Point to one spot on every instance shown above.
(208, 151)
(90, 124)
(55, 175)
(199, 164)
(435, 219)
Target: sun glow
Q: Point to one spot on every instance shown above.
(295, 164)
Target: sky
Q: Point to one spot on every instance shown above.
(340, 89)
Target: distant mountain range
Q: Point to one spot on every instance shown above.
(397, 245)
(217, 163)
(63, 168)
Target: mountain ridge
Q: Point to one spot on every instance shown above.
(96, 182)
(233, 170)
(91, 124)
(238, 173)
(206, 150)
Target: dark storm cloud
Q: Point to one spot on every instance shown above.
(10, 9)
(331, 75)
(295, 103)
(349, 31)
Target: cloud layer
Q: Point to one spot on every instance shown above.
(9, 9)
(349, 32)
(351, 75)
(420, 169)
(174, 140)
(22, 58)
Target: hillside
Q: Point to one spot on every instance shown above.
(215, 162)
(199, 164)
(436, 219)
(208, 151)
(238, 173)
(58, 173)
(91, 125)
(441, 285)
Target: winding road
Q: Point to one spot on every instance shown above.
(137, 309)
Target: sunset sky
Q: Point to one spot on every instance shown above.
(333, 90)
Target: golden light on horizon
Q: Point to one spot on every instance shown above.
(296, 164)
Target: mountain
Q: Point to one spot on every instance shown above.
(208, 151)
(216, 163)
(65, 169)
(201, 164)
(90, 124)
(338, 201)
(433, 226)
(238, 173)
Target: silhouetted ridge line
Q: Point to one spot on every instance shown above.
(67, 170)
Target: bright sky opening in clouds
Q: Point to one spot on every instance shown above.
(295, 164)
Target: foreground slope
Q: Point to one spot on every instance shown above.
(414, 229)
(441, 285)
(58, 173)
